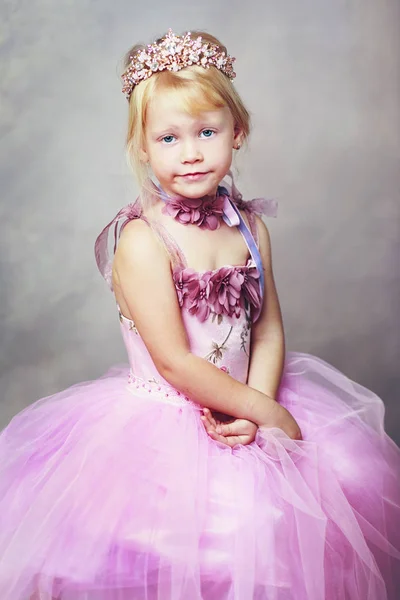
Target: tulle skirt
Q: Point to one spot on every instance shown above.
(114, 491)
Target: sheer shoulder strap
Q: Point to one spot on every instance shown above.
(121, 219)
(176, 254)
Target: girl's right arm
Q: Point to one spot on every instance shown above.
(143, 283)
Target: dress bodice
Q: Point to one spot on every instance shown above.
(222, 339)
(218, 307)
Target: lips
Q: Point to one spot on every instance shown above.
(196, 176)
(195, 173)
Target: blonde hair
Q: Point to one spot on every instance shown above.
(201, 90)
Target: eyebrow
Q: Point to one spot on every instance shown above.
(201, 123)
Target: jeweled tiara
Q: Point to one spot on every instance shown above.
(174, 52)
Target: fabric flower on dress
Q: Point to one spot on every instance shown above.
(225, 294)
(207, 214)
(251, 286)
(181, 279)
(198, 294)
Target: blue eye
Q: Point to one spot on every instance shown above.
(168, 139)
(208, 133)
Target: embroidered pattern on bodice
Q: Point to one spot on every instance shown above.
(222, 339)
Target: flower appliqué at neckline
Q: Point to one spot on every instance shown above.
(226, 291)
(206, 214)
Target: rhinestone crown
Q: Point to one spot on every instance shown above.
(174, 53)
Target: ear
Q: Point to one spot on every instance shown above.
(143, 155)
(238, 137)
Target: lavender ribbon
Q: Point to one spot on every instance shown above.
(233, 218)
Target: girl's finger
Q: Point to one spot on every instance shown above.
(212, 419)
(207, 412)
(205, 422)
(228, 429)
(207, 425)
(218, 438)
(233, 440)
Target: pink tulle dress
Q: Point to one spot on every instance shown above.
(112, 489)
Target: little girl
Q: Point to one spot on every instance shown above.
(214, 468)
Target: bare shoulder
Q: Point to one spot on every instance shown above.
(139, 243)
(139, 247)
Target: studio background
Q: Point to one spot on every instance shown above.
(321, 80)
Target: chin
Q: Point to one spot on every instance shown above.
(197, 193)
(197, 190)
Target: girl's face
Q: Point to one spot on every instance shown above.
(189, 154)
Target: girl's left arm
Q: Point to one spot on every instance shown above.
(267, 350)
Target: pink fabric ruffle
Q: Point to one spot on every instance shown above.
(110, 491)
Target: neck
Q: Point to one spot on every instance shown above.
(203, 199)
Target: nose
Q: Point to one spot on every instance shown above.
(190, 152)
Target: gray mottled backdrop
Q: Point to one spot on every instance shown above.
(321, 79)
